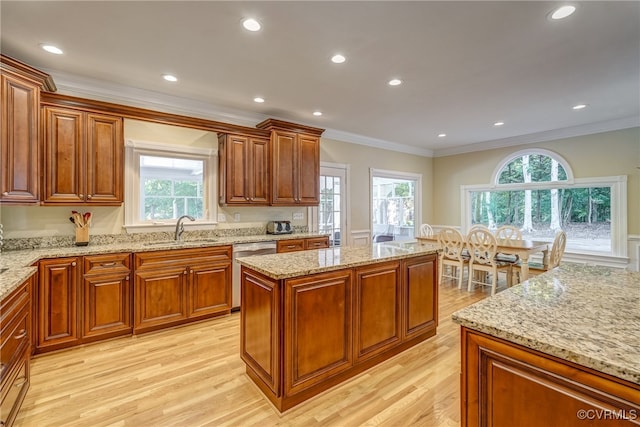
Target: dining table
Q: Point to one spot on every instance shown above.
(522, 248)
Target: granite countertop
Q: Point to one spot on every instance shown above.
(19, 262)
(584, 314)
(295, 264)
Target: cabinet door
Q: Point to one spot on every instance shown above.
(58, 303)
(107, 305)
(209, 289)
(420, 296)
(64, 158)
(20, 131)
(315, 305)
(160, 297)
(285, 169)
(377, 307)
(258, 173)
(236, 168)
(308, 173)
(105, 167)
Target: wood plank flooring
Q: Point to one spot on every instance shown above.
(193, 376)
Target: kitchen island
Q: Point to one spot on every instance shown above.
(562, 348)
(311, 320)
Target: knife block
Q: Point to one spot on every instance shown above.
(82, 236)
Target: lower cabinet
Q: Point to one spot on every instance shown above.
(420, 295)
(294, 245)
(173, 287)
(15, 351)
(505, 384)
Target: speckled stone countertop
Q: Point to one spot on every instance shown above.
(19, 262)
(584, 314)
(295, 264)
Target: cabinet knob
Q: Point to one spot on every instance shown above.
(126, 278)
(6, 193)
(81, 196)
(73, 264)
(184, 272)
(88, 196)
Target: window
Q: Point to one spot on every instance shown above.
(332, 210)
(535, 191)
(165, 182)
(395, 205)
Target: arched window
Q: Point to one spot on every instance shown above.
(535, 190)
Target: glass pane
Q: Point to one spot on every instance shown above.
(532, 168)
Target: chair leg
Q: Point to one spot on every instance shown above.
(461, 270)
(494, 282)
(441, 275)
(470, 277)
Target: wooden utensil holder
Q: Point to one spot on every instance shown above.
(82, 236)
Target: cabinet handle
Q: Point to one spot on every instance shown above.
(20, 384)
(6, 193)
(108, 264)
(21, 334)
(291, 246)
(73, 264)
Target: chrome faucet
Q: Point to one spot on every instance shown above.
(180, 226)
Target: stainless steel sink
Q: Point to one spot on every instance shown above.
(180, 242)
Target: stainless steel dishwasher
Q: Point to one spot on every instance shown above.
(243, 250)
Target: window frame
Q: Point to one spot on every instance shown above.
(618, 185)
(133, 150)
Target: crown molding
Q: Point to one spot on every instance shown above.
(353, 138)
(550, 135)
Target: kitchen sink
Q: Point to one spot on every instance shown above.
(180, 242)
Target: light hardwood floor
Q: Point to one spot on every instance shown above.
(193, 376)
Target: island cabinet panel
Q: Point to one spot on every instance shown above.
(260, 328)
(179, 286)
(19, 139)
(58, 320)
(314, 306)
(107, 296)
(504, 384)
(377, 309)
(420, 296)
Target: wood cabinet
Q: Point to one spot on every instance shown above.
(83, 157)
(295, 163)
(505, 384)
(173, 287)
(15, 351)
(302, 335)
(243, 170)
(294, 245)
(58, 299)
(20, 87)
(107, 310)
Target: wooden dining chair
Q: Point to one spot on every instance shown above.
(555, 256)
(508, 232)
(483, 248)
(451, 244)
(426, 230)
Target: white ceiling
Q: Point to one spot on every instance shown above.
(465, 65)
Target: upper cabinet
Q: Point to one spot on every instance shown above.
(243, 170)
(20, 130)
(83, 157)
(295, 163)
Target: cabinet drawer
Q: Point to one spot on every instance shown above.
(290, 245)
(181, 257)
(316, 243)
(13, 391)
(14, 303)
(104, 264)
(14, 339)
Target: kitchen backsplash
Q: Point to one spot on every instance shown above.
(105, 239)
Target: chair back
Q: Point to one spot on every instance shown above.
(483, 246)
(508, 232)
(451, 243)
(426, 230)
(557, 250)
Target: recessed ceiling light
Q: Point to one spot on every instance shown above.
(52, 49)
(258, 100)
(317, 113)
(395, 82)
(170, 77)
(562, 12)
(498, 123)
(579, 106)
(338, 59)
(442, 135)
(251, 24)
